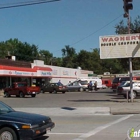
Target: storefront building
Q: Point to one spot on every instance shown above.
(36, 73)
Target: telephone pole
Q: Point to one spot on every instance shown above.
(129, 6)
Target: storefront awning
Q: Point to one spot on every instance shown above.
(2, 67)
(17, 71)
(36, 71)
(42, 68)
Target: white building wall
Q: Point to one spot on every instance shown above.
(62, 73)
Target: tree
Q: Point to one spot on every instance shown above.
(121, 28)
(69, 55)
(46, 56)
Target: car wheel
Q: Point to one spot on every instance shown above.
(54, 91)
(33, 95)
(21, 94)
(41, 91)
(124, 96)
(81, 89)
(7, 133)
(6, 94)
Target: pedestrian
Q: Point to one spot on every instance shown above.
(95, 85)
(90, 86)
(59, 83)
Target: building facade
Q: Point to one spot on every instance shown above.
(36, 73)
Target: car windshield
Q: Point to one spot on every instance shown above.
(5, 108)
(127, 85)
(116, 80)
(59, 84)
(84, 82)
(123, 83)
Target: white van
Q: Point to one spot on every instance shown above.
(93, 79)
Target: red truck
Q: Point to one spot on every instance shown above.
(20, 89)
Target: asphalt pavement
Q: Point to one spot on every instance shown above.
(119, 107)
(110, 105)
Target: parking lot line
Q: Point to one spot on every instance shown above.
(100, 128)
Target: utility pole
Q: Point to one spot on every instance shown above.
(129, 6)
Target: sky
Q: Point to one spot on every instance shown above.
(51, 26)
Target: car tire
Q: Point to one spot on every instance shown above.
(21, 95)
(124, 96)
(6, 94)
(33, 95)
(41, 91)
(8, 133)
(54, 91)
(63, 92)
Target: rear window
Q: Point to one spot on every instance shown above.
(120, 79)
(116, 80)
(22, 84)
(106, 82)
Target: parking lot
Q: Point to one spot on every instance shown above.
(82, 115)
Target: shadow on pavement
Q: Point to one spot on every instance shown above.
(96, 101)
(43, 138)
(68, 108)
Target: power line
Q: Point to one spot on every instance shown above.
(13, 5)
(95, 31)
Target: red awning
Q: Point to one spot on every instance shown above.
(3, 67)
(42, 68)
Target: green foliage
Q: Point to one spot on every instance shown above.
(46, 56)
(123, 29)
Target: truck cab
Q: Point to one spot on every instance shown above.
(20, 89)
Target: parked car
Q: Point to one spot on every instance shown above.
(54, 88)
(77, 86)
(16, 125)
(95, 81)
(20, 89)
(116, 81)
(124, 88)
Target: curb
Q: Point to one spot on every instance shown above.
(125, 112)
(68, 111)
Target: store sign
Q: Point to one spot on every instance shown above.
(23, 73)
(119, 46)
(45, 73)
(65, 72)
(17, 73)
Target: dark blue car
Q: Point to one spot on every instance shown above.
(15, 125)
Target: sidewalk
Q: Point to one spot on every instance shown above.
(126, 108)
(119, 108)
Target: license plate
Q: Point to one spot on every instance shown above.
(33, 92)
